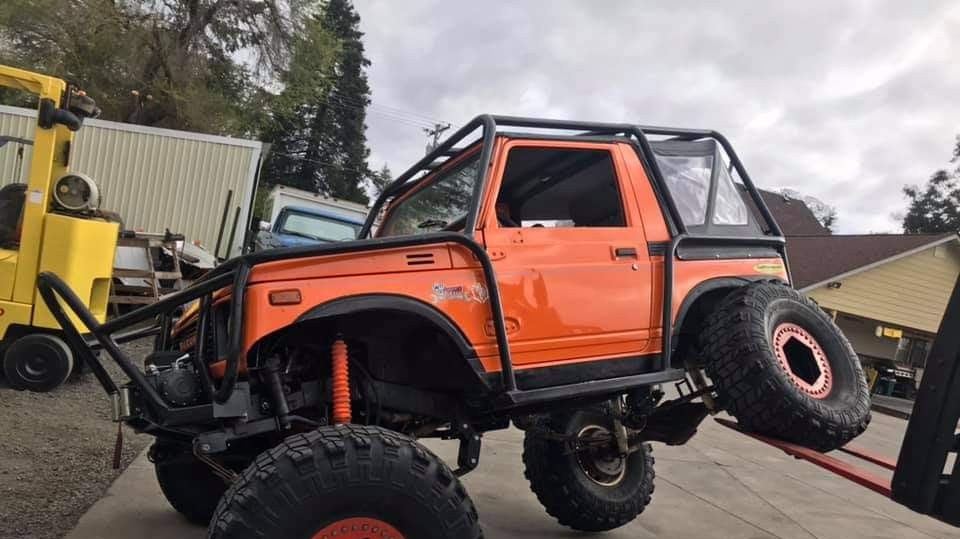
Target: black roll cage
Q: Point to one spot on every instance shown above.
(236, 272)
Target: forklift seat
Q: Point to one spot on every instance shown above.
(12, 197)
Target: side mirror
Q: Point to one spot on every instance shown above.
(265, 226)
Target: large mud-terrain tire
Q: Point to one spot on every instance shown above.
(348, 482)
(582, 490)
(783, 368)
(189, 485)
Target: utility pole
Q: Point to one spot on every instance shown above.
(435, 133)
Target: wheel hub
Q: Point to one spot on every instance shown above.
(35, 367)
(600, 463)
(802, 358)
(358, 528)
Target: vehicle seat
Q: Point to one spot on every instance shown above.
(597, 208)
(12, 197)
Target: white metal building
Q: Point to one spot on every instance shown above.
(156, 179)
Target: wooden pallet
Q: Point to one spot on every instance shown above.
(153, 289)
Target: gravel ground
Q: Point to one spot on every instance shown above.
(56, 453)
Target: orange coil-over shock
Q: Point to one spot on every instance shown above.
(341, 383)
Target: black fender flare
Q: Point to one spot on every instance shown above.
(403, 304)
(711, 285)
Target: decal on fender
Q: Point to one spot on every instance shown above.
(768, 267)
(475, 292)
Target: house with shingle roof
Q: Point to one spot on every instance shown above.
(887, 292)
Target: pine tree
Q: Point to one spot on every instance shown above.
(380, 180)
(320, 141)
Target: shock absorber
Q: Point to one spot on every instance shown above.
(341, 382)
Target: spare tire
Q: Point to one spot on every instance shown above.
(783, 368)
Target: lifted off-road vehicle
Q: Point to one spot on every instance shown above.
(549, 274)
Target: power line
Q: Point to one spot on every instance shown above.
(386, 108)
(324, 163)
(435, 131)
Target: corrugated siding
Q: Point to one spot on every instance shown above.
(156, 179)
(911, 292)
(20, 127)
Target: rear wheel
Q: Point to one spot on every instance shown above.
(783, 368)
(39, 362)
(584, 482)
(348, 482)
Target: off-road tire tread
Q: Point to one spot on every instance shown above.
(571, 504)
(751, 388)
(327, 459)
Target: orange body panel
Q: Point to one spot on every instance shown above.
(567, 297)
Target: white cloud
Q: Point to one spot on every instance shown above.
(844, 101)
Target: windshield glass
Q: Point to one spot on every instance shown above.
(319, 228)
(440, 205)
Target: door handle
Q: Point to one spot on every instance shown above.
(624, 252)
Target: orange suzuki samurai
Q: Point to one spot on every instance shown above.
(549, 274)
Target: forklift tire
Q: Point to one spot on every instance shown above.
(783, 368)
(189, 485)
(39, 362)
(585, 490)
(347, 481)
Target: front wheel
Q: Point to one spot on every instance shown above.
(347, 482)
(583, 481)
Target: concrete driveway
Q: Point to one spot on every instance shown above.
(721, 485)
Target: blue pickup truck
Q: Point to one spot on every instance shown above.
(301, 225)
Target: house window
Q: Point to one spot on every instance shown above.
(559, 188)
(912, 352)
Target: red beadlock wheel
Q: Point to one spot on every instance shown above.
(804, 360)
(359, 528)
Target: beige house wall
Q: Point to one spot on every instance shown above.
(911, 292)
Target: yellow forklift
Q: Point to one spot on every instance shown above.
(50, 223)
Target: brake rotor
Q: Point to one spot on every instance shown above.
(600, 464)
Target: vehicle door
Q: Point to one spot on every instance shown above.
(570, 255)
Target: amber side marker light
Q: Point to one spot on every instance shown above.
(284, 297)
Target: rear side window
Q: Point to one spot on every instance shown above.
(729, 207)
(688, 178)
(559, 188)
(699, 182)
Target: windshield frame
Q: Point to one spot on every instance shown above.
(471, 152)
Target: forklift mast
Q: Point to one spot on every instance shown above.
(51, 146)
(921, 480)
(76, 244)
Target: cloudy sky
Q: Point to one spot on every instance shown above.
(844, 101)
